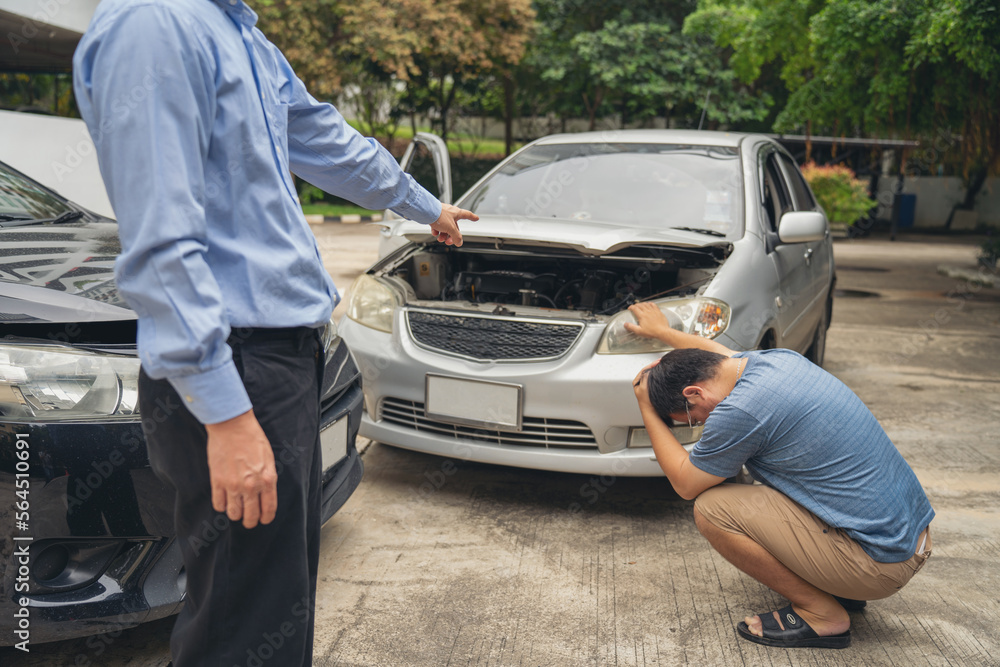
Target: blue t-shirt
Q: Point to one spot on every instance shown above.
(801, 431)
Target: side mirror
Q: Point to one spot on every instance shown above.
(802, 227)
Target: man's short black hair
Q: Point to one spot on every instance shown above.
(679, 369)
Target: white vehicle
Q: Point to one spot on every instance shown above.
(511, 349)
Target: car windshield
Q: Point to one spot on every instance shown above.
(650, 185)
(23, 199)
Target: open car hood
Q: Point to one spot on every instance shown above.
(585, 236)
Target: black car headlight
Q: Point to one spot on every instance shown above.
(51, 383)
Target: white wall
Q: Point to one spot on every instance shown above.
(936, 195)
(56, 152)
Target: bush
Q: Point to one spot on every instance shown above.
(844, 198)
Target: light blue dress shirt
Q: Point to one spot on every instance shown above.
(198, 121)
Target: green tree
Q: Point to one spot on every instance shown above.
(915, 69)
(632, 57)
(431, 46)
(960, 40)
(310, 34)
(437, 45)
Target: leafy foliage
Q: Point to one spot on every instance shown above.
(844, 197)
(909, 69)
(431, 46)
(924, 69)
(599, 57)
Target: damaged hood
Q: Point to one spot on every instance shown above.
(60, 273)
(585, 236)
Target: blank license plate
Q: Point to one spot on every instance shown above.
(333, 442)
(495, 405)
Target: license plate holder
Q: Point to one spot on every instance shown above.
(333, 442)
(493, 405)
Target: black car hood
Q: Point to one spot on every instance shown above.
(60, 273)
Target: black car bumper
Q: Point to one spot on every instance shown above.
(89, 543)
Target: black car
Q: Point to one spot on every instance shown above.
(87, 542)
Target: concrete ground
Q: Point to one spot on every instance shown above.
(439, 562)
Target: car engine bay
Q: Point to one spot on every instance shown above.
(554, 278)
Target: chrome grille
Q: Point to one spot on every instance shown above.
(490, 338)
(535, 431)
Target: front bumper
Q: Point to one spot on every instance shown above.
(97, 552)
(579, 388)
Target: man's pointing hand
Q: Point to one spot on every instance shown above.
(445, 228)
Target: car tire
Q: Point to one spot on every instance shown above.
(817, 350)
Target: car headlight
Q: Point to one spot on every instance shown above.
(372, 302)
(331, 337)
(702, 316)
(52, 383)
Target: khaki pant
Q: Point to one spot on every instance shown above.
(825, 557)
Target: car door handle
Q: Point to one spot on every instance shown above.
(808, 255)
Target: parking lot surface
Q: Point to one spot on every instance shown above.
(438, 561)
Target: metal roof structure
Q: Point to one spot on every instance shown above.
(39, 36)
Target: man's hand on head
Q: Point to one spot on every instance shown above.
(242, 472)
(445, 228)
(640, 385)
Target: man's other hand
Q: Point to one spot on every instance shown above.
(445, 228)
(650, 321)
(640, 385)
(242, 472)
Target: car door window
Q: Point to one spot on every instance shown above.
(422, 169)
(803, 197)
(776, 199)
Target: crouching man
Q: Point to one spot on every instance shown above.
(839, 518)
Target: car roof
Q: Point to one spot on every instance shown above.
(687, 137)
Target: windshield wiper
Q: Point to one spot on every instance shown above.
(710, 232)
(68, 216)
(22, 221)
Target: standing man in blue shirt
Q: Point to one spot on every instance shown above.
(199, 123)
(839, 518)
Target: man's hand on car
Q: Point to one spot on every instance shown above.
(445, 228)
(241, 467)
(650, 321)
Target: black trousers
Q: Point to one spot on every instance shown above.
(251, 594)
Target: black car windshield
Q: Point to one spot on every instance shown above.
(23, 199)
(650, 185)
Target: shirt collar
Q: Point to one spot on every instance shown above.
(239, 11)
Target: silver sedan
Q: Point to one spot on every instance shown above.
(511, 349)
